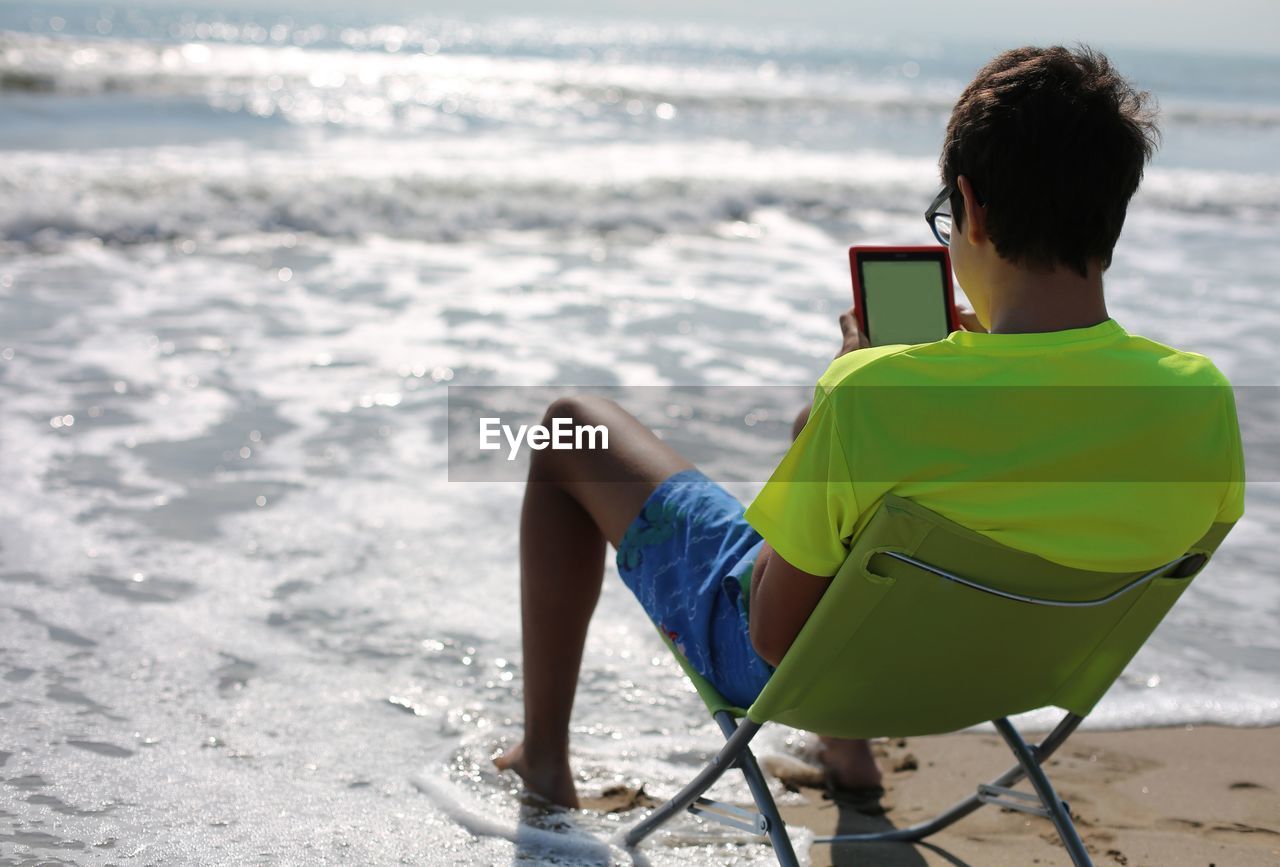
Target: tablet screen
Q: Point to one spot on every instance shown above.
(905, 301)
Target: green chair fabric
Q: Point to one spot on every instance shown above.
(893, 650)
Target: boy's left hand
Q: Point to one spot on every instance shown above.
(853, 337)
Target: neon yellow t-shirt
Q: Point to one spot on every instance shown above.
(1089, 447)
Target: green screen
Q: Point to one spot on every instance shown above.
(904, 302)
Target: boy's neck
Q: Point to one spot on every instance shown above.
(1024, 301)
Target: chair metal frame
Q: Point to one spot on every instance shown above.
(1045, 801)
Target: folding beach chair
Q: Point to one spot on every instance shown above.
(928, 628)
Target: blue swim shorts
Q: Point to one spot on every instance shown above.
(688, 557)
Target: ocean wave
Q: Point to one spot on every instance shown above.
(450, 190)
(423, 209)
(54, 64)
(377, 82)
(434, 192)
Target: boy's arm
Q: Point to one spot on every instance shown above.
(782, 598)
(780, 604)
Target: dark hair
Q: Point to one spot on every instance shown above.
(1054, 142)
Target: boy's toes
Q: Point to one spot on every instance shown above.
(553, 783)
(510, 760)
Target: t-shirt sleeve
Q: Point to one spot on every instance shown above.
(1232, 508)
(807, 511)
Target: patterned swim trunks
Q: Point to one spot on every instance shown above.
(688, 558)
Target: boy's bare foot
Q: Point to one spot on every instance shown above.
(553, 782)
(849, 764)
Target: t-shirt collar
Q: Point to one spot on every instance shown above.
(1106, 330)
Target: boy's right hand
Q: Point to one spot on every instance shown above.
(968, 319)
(852, 334)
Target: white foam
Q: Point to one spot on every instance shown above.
(477, 818)
(452, 189)
(386, 89)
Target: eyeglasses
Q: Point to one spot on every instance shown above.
(939, 220)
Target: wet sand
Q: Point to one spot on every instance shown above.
(1205, 796)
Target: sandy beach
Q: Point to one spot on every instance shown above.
(1203, 795)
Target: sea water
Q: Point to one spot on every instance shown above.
(244, 617)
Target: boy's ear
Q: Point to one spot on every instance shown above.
(975, 215)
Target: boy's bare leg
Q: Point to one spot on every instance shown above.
(574, 503)
(849, 764)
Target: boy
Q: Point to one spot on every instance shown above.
(1043, 151)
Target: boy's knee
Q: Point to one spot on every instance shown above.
(578, 408)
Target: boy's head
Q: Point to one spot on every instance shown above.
(1053, 143)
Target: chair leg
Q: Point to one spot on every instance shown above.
(1058, 812)
(777, 829)
(723, 761)
(955, 813)
(736, 752)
